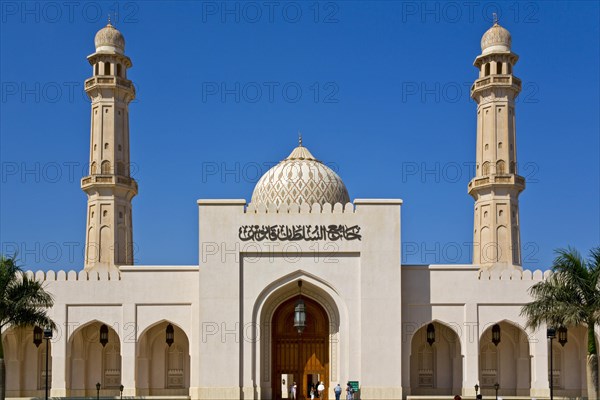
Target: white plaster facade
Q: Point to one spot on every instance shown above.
(223, 310)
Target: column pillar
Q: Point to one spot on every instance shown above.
(470, 349)
(58, 350)
(128, 350)
(538, 348)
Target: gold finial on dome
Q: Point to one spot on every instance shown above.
(495, 18)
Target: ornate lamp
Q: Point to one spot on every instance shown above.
(300, 312)
(170, 332)
(551, 334)
(37, 336)
(430, 334)
(47, 336)
(562, 335)
(496, 334)
(103, 335)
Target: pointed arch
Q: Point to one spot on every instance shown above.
(162, 370)
(88, 362)
(500, 167)
(508, 364)
(485, 168)
(436, 369)
(105, 168)
(276, 293)
(25, 363)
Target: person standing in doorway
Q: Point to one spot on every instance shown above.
(338, 391)
(320, 389)
(293, 391)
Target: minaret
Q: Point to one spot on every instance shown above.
(109, 238)
(496, 185)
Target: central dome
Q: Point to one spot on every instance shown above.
(300, 178)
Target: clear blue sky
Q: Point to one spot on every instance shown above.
(379, 91)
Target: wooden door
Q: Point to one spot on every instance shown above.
(306, 355)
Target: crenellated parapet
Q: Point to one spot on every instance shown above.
(71, 275)
(514, 275)
(304, 208)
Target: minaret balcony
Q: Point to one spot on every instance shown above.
(496, 80)
(497, 180)
(108, 180)
(108, 80)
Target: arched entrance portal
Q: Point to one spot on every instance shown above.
(301, 358)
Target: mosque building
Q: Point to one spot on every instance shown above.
(298, 285)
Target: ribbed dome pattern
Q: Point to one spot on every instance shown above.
(300, 178)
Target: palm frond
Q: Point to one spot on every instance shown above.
(23, 300)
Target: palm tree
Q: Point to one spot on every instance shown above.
(23, 302)
(570, 297)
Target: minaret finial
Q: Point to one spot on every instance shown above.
(109, 19)
(495, 18)
(299, 139)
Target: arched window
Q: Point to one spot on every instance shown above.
(556, 365)
(500, 167)
(105, 167)
(175, 362)
(489, 365)
(118, 69)
(96, 69)
(498, 67)
(42, 366)
(487, 69)
(106, 68)
(425, 366)
(112, 365)
(486, 168)
(93, 168)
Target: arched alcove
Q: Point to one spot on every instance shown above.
(277, 293)
(508, 363)
(89, 361)
(163, 369)
(435, 368)
(25, 363)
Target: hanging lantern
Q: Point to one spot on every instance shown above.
(37, 336)
(430, 334)
(170, 335)
(103, 335)
(300, 312)
(496, 334)
(562, 335)
(300, 316)
(47, 333)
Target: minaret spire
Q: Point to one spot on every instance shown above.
(496, 185)
(299, 139)
(109, 186)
